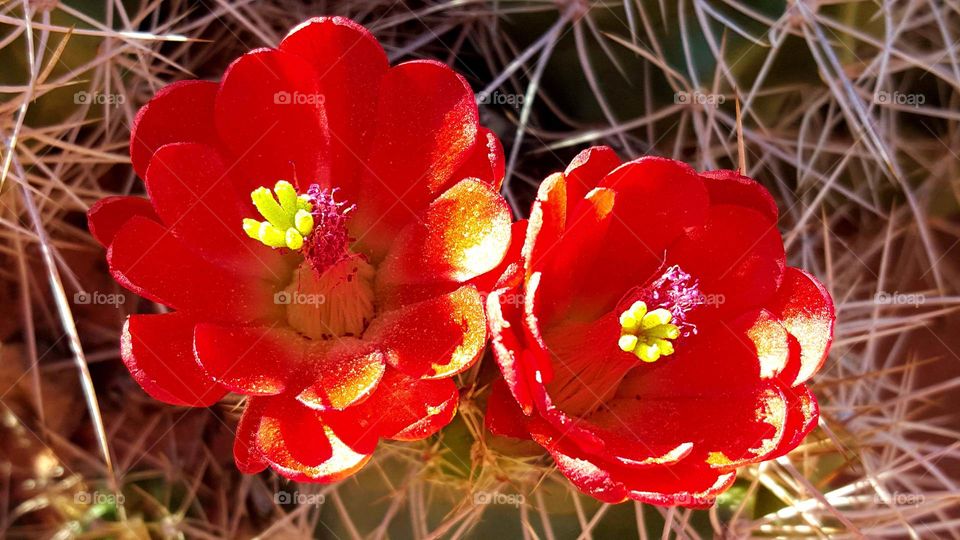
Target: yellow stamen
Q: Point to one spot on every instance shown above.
(288, 217)
(647, 334)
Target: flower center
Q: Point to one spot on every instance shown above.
(650, 325)
(647, 334)
(288, 217)
(335, 303)
(331, 293)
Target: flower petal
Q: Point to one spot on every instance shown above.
(270, 117)
(587, 170)
(158, 352)
(548, 219)
(738, 257)
(251, 360)
(464, 233)
(292, 436)
(507, 345)
(486, 161)
(108, 215)
(684, 484)
(731, 187)
(726, 431)
(803, 411)
(723, 358)
(427, 125)
(179, 112)
(350, 64)
(504, 417)
(246, 454)
(435, 338)
(401, 408)
(806, 310)
(149, 261)
(657, 200)
(190, 186)
(346, 374)
(564, 269)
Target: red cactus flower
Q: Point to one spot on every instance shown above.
(317, 223)
(655, 340)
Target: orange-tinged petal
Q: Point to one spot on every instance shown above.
(435, 338)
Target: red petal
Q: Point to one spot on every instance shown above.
(589, 478)
(548, 219)
(426, 127)
(179, 112)
(191, 188)
(346, 374)
(587, 170)
(683, 484)
(434, 338)
(704, 496)
(657, 200)
(270, 117)
(511, 265)
(251, 360)
(401, 408)
(802, 415)
(565, 269)
(506, 345)
(149, 261)
(726, 431)
(722, 358)
(246, 454)
(504, 416)
(350, 64)
(158, 351)
(108, 215)
(464, 233)
(731, 187)
(292, 436)
(738, 258)
(806, 310)
(486, 161)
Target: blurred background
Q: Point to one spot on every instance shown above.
(849, 112)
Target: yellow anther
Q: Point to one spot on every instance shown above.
(664, 346)
(303, 220)
(271, 236)
(287, 196)
(647, 334)
(656, 318)
(627, 342)
(252, 228)
(630, 319)
(288, 217)
(647, 352)
(303, 203)
(664, 331)
(293, 239)
(270, 208)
